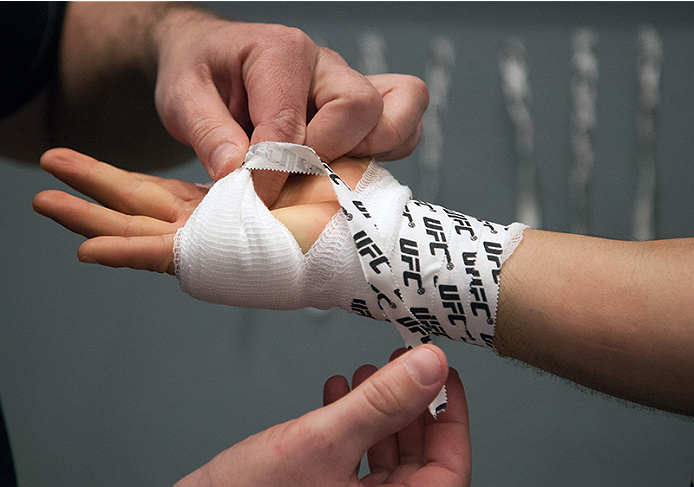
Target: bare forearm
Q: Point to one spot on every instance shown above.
(614, 316)
(102, 101)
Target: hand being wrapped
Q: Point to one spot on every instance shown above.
(138, 215)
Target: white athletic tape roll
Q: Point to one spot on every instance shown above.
(428, 270)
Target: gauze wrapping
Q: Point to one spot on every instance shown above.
(233, 251)
(428, 270)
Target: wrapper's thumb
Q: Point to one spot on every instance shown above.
(391, 398)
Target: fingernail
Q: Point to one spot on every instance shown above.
(424, 365)
(219, 158)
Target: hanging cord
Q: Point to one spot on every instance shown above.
(372, 50)
(649, 71)
(516, 87)
(584, 81)
(438, 80)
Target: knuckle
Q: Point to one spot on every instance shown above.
(289, 125)
(296, 38)
(400, 146)
(365, 103)
(288, 39)
(202, 134)
(383, 397)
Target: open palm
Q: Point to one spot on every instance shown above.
(137, 215)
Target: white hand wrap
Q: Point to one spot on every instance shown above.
(428, 270)
(233, 251)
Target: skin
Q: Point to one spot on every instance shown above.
(168, 76)
(138, 215)
(614, 316)
(385, 415)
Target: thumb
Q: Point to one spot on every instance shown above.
(200, 118)
(391, 398)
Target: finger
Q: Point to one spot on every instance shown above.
(405, 99)
(183, 190)
(348, 107)
(335, 388)
(268, 185)
(91, 220)
(68, 164)
(362, 374)
(150, 253)
(447, 458)
(390, 399)
(115, 188)
(301, 189)
(411, 441)
(278, 79)
(448, 437)
(194, 112)
(384, 456)
(397, 353)
(403, 150)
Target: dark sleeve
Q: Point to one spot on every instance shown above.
(7, 475)
(29, 47)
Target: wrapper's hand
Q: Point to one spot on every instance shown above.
(223, 86)
(384, 416)
(138, 215)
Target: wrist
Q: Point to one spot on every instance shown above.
(508, 336)
(101, 39)
(171, 21)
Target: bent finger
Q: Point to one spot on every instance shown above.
(451, 426)
(335, 388)
(348, 107)
(405, 149)
(405, 99)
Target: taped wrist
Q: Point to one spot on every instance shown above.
(428, 270)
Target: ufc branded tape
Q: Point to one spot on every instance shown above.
(428, 270)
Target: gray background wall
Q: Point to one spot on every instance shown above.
(115, 377)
